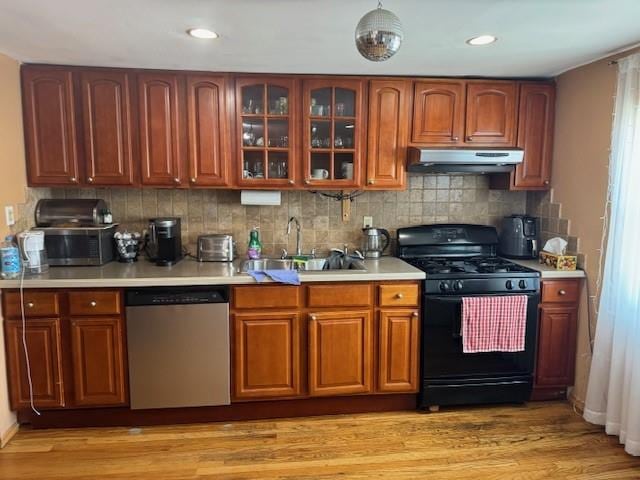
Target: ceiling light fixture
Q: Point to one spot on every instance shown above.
(202, 33)
(379, 34)
(482, 40)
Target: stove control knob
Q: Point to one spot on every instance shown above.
(522, 284)
(457, 285)
(444, 286)
(509, 285)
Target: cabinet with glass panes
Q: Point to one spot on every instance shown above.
(332, 132)
(266, 110)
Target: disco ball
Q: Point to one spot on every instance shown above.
(379, 35)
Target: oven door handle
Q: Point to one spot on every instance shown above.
(458, 298)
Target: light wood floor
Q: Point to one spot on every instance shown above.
(539, 441)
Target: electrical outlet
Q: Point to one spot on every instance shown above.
(367, 222)
(9, 215)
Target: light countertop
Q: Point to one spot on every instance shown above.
(192, 272)
(548, 272)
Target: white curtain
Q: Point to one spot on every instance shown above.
(613, 395)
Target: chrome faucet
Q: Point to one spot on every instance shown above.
(298, 228)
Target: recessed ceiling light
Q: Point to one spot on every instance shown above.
(482, 40)
(202, 33)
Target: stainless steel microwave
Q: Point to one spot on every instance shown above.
(77, 246)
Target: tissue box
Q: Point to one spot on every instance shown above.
(559, 262)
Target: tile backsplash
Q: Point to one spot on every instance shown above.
(428, 199)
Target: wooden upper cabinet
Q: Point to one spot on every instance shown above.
(266, 131)
(333, 139)
(340, 353)
(160, 129)
(107, 121)
(98, 361)
(398, 350)
(535, 136)
(491, 113)
(438, 112)
(266, 354)
(45, 357)
(209, 133)
(388, 125)
(49, 126)
(556, 346)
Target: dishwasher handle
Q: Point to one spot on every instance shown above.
(176, 295)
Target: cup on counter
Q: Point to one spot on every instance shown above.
(319, 174)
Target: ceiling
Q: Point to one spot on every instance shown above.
(536, 37)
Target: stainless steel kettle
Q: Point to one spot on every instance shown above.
(374, 242)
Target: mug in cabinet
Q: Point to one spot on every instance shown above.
(319, 174)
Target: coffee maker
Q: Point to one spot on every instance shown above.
(519, 237)
(164, 241)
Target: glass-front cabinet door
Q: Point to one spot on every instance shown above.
(266, 141)
(332, 133)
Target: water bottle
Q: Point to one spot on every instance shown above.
(10, 258)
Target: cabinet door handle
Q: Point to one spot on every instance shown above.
(307, 181)
(176, 180)
(193, 179)
(415, 314)
(469, 138)
(562, 292)
(90, 179)
(93, 303)
(313, 317)
(73, 179)
(31, 305)
(455, 139)
(399, 296)
(291, 182)
(371, 181)
(546, 182)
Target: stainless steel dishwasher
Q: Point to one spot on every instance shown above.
(178, 346)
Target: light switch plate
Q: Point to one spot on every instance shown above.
(9, 215)
(367, 222)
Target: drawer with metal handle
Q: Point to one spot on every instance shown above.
(36, 304)
(96, 302)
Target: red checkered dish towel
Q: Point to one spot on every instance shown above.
(493, 324)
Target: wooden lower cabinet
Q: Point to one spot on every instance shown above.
(42, 337)
(557, 332)
(98, 361)
(340, 353)
(556, 347)
(266, 350)
(77, 357)
(398, 349)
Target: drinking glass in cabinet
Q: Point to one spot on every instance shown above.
(320, 104)
(343, 134)
(252, 132)
(345, 102)
(321, 134)
(278, 165)
(253, 100)
(278, 133)
(278, 98)
(253, 164)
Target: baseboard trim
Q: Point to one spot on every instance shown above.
(6, 436)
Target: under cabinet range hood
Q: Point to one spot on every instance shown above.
(459, 160)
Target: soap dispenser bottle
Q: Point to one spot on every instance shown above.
(254, 249)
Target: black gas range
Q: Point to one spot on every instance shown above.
(461, 261)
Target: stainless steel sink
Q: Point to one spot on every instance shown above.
(315, 265)
(267, 264)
